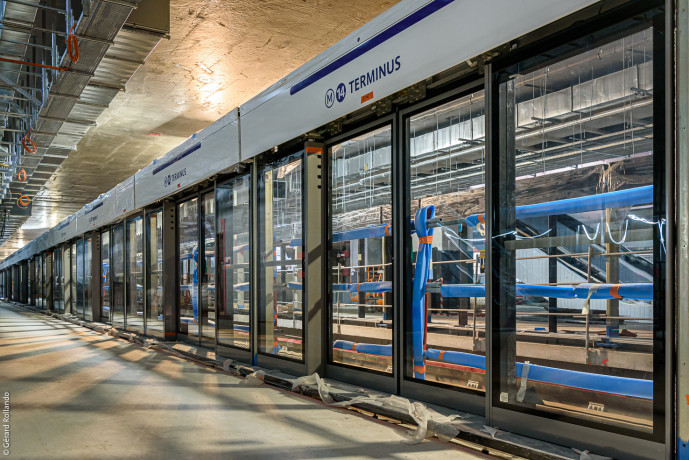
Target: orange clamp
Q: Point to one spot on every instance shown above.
(426, 239)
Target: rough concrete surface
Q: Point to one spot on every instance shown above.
(78, 394)
(220, 54)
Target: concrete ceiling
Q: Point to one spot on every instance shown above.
(219, 55)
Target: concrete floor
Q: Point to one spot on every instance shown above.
(75, 394)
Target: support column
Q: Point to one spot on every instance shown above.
(500, 230)
(681, 171)
(313, 304)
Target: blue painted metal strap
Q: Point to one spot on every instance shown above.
(371, 43)
(176, 158)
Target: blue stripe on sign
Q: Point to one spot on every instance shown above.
(175, 159)
(371, 43)
(94, 208)
(62, 226)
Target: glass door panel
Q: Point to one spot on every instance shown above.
(445, 334)
(48, 281)
(88, 308)
(79, 277)
(360, 253)
(234, 261)
(280, 258)
(579, 244)
(69, 306)
(135, 276)
(154, 273)
(57, 275)
(118, 276)
(105, 313)
(188, 272)
(207, 278)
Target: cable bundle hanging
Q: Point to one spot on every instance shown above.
(23, 201)
(72, 52)
(26, 140)
(21, 175)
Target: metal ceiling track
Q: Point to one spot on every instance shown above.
(57, 107)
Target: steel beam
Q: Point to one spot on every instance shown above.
(34, 5)
(68, 120)
(20, 90)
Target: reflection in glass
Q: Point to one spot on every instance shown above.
(447, 167)
(280, 258)
(188, 234)
(105, 316)
(57, 277)
(79, 277)
(135, 276)
(208, 270)
(88, 307)
(118, 276)
(234, 295)
(39, 281)
(154, 273)
(360, 256)
(577, 248)
(48, 275)
(69, 307)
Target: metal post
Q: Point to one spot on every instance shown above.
(170, 270)
(313, 300)
(681, 111)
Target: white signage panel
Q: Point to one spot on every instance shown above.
(203, 155)
(436, 36)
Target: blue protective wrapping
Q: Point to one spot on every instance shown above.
(620, 198)
(294, 285)
(375, 231)
(418, 300)
(463, 290)
(241, 287)
(372, 286)
(457, 357)
(636, 291)
(621, 386)
(368, 348)
(342, 287)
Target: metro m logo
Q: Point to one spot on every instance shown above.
(329, 98)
